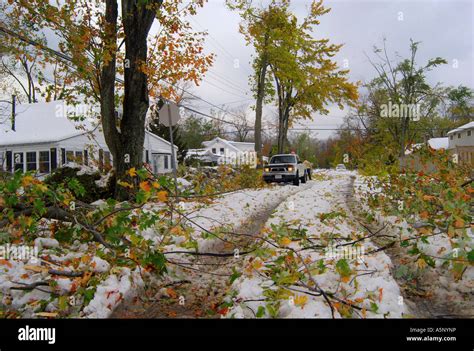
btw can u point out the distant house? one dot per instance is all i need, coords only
(434, 143)
(461, 142)
(222, 151)
(42, 138)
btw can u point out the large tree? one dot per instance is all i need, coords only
(401, 84)
(306, 78)
(121, 62)
(261, 27)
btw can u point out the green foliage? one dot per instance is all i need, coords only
(83, 186)
(436, 196)
(111, 230)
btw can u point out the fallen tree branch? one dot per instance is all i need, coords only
(65, 273)
(29, 286)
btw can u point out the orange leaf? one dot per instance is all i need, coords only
(459, 223)
(5, 262)
(223, 311)
(162, 196)
(424, 214)
(171, 293)
(145, 186)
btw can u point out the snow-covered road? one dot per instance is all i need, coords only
(256, 284)
(321, 212)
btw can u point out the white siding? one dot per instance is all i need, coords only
(92, 142)
(461, 138)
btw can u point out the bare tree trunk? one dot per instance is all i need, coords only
(258, 113)
(107, 82)
(259, 103)
(284, 116)
(126, 144)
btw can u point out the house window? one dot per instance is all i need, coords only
(166, 162)
(214, 150)
(451, 137)
(468, 133)
(18, 159)
(2, 159)
(222, 151)
(86, 157)
(459, 135)
(31, 161)
(44, 161)
(79, 158)
(69, 156)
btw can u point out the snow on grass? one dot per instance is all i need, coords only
(33, 266)
(438, 246)
(374, 289)
(119, 286)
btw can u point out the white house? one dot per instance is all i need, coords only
(223, 151)
(461, 142)
(43, 137)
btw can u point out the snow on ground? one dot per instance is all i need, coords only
(438, 246)
(116, 284)
(375, 290)
(228, 211)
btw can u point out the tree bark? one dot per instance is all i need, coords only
(259, 104)
(125, 137)
(258, 113)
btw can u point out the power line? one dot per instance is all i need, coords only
(227, 82)
(119, 80)
(69, 59)
(219, 46)
(222, 89)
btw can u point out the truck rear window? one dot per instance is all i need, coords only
(283, 159)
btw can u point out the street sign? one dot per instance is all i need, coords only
(169, 114)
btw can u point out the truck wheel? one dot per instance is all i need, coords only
(303, 178)
(296, 181)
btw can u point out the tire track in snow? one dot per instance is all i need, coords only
(202, 286)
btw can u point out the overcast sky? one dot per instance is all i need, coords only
(445, 29)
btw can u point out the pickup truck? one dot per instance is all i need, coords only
(285, 168)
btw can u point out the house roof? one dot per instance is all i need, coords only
(232, 144)
(466, 126)
(45, 122)
(217, 139)
(49, 122)
(438, 143)
(202, 154)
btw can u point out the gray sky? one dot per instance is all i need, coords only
(445, 29)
